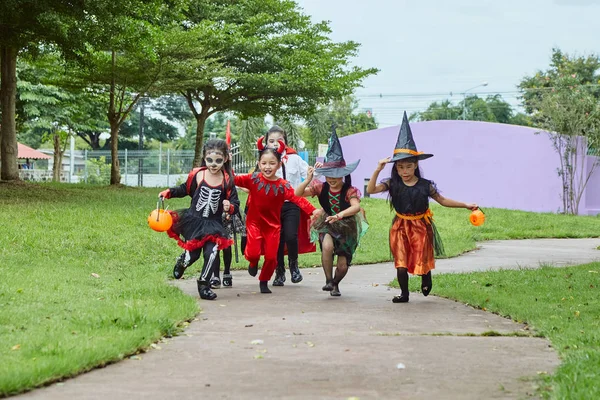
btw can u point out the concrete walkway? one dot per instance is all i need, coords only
(301, 343)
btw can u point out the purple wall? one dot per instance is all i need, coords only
(494, 165)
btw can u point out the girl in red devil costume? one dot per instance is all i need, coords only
(263, 226)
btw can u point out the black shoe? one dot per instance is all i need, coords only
(180, 266)
(253, 270)
(227, 280)
(295, 272)
(328, 286)
(400, 299)
(264, 287)
(279, 276)
(426, 284)
(336, 291)
(215, 283)
(205, 292)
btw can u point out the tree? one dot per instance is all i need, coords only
(268, 59)
(585, 68)
(491, 109)
(24, 24)
(570, 113)
(344, 115)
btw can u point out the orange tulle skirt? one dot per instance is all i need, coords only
(411, 244)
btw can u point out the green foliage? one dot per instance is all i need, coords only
(97, 171)
(491, 109)
(585, 68)
(570, 111)
(344, 115)
(272, 60)
(91, 284)
(561, 304)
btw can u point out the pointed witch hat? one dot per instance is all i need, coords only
(405, 145)
(334, 165)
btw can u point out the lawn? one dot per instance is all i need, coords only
(561, 304)
(84, 280)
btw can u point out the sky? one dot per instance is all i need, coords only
(427, 49)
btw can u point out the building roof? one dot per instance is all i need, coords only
(28, 152)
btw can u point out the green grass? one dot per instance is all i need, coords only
(84, 280)
(57, 318)
(561, 304)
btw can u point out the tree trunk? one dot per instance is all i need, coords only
(200, 123)
(9, 169)
(58, 157)
(115, 171)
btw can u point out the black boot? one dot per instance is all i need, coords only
(426, 283)
(295, 271)
(328, 285)
(264, 287)
(402, 274)
(204, 291)
(279, 276)
(253, 270)
(227, 280)
(180, 266)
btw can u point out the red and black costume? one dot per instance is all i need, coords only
(263, 225)
(200, 228)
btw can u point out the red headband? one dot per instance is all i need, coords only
(260, 145)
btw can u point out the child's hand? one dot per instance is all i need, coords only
(381, 163)
(165, 194)
(318, 165)
(226, 205)
(317, 213)
(472, 206)
(310, 173)
(333, 218)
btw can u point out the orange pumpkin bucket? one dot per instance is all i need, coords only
(160, 219)
(477, 217)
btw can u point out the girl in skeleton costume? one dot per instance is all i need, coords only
(413, 236)
(342, 225)
(263, 227)
(200, 228)
(294, 228)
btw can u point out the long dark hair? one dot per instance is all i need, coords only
(276, 129)
(219, 145)
(396, 185)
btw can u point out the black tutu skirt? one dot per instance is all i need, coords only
(192, 231)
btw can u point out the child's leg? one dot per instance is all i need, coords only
(211, 262)
(290, 220)
(186, 259)
(253, 248)
(270, 262)
(227, 257)
(426, 283)
(340, 272)
(327, 261)
(280, 270)
(402, 274)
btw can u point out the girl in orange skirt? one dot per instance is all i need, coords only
(413, 237)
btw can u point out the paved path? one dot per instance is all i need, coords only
(300, 343)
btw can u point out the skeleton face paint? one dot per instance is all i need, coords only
(214, 160)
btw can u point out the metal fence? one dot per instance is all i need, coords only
(150, 168)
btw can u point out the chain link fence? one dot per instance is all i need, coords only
(152, 168)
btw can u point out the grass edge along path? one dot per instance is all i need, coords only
(91, 278)
(561, 304)
(83, 282)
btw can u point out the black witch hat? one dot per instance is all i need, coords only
(334, 165)
(405, 146)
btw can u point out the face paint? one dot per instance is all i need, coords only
(214, 160)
